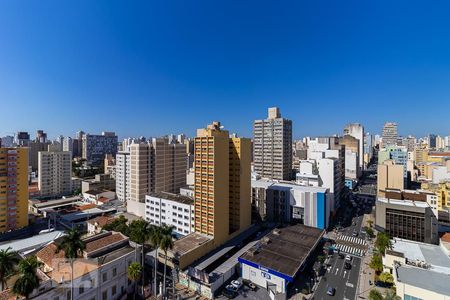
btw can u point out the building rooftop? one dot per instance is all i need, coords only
(94, 192)
(101, 221)
(410, 203)
(49, 203)
(32, 243)
(285, 250)
(190, 242)
(265, 183)
(432, 255)
(425, 279)
(446, 237)
(173, 197)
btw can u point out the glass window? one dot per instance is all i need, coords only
(105, 276)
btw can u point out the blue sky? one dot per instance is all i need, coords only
(156, 67)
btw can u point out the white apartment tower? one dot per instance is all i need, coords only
(357, 131)
(272, 146)
(55, 173)
(390, 134)
(123, 176)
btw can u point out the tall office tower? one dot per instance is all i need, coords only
(14, 188)
(272, 146)
(156, 166)
(68, 145)
(123, 176)
(95, 147)
(357, 131)
(41, 136)
(390, 134)
(432, 141)
(222, 198)
(78, 141)
(22, 138)
(55, 173)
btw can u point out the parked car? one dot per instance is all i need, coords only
(347, 265)
(331, 291)
(341, 255)
(231, 288)
(348, 257)
(237, 284)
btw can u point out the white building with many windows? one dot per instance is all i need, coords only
(123, 176)
(170, 209)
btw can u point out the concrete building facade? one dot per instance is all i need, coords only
(95, 147)
(55, 173)
(272, 146)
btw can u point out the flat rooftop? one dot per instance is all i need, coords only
(265, 183)
(428, 253)
(425, 279)
(173, 197)
(190, 242)
(50, 203)
(409, 203)
(285, 250)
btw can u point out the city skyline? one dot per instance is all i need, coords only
(151, 69)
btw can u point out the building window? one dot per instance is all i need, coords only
(113, 290)
(81, 289)
(408, 297)
(114, 272)
(105, 295)
(105, 276)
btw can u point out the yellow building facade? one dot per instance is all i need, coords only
(13, 188)
(442, 190)
(222, 183)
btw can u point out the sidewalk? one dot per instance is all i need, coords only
(366, 273)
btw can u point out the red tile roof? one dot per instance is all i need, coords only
(48, 253)
(446, 237)
(101, 221)
(103, 242)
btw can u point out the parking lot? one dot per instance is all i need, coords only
(246, 293)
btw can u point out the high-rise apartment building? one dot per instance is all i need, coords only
(357, 131)
(390, 134)
(272, 146)
(156, 166)
(13, 188)
(95, 147)
(222, 183)
(123, 176)
(55, 173)
(22, 138)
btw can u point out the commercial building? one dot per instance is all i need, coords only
(272, 146)
(389, 175)
(420, 271)
(398, 154)
(170, 209)
(353, 167)
(277, 260)
(390, 134)
(285, 202)
(407, 219)
(123, 176)
(156, 166)
(55, 173)
(13, 188)
(95, 147)
(99, 182)
(357, 131)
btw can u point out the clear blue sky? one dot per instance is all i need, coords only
(156, 67)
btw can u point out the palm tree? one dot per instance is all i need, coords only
(166, 244)
(139, 233)
(390, 295)
(134, 273)
(28, 279)
(155, 239)
(72, 245)
(8, 260)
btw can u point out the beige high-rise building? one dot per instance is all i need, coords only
(272, 146)
(390, 134)
(14, 188)
(55, 173)
(156, 166)
(222, 183)
(390, 176)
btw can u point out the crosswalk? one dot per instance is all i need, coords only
(351, 239)
(350, 250)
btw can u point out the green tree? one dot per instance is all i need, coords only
(118, 224)
(386, 278)
(375, 295)
(8, 260)
(321, 259)
(370, 232)
(155, 240)
(72, 245)
(134, 272)
(370, 222)
(140, 232)
(166, 244)
(376, 263)
(383, 242)
(28, 279)
(390, 295)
